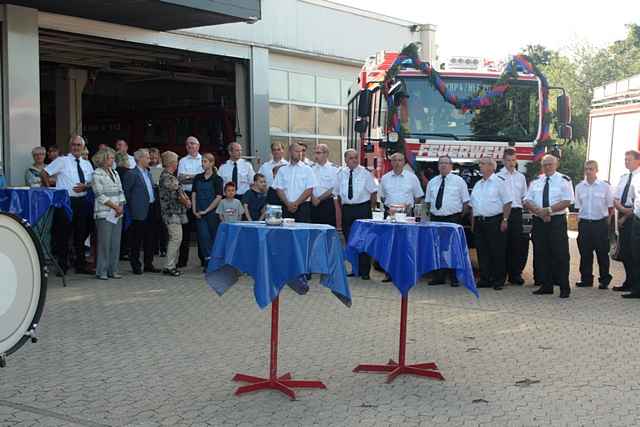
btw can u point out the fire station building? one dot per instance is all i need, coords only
(155, 71)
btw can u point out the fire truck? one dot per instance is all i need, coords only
(432, 126)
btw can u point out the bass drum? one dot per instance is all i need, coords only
(23, 284)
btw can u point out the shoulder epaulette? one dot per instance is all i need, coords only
(565, 177)
(501, 177)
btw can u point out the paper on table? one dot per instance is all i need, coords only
(111, 217)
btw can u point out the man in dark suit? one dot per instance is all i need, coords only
(138, 189)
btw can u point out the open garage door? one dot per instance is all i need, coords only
(147, 95)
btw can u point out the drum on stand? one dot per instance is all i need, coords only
(23, 284)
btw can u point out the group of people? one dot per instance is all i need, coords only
(164, 197)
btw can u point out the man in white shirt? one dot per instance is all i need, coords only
(74, 174)
(594, 200)
(548, 198)
(400, 186)
(517, 244)
(623, 201)
(304, 158)
(237, 170)
(277, 159)
(294, 184)
(188, 167)
(357, 192)
(323, 209)
(448, 200)
(123, 147)
(491, 208)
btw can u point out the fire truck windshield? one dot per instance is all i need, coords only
(513, 117)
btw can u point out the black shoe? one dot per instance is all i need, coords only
(163, 254)
(137, 271)
(564, 294)
(365, 277)
(436, 282)
(483, 284)
(174, 272)
(603, 286)
(151, 269)
(455, 284)
(181, 265)
(632, 295)
(124, 257)
(543, 291)
(498, 287)
(622, 288)
(605, 282)
(584, 285)
(386, 279)
(516, 280)
(351, 275)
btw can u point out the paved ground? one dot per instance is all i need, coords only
(158, 351)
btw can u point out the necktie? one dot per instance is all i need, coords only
(440, 194)
(350, 191)
(80, 172)
(234, 174)
(545, 193)
(625, 193)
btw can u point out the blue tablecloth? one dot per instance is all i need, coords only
(277, 256)
(408, 251)
(32, 203)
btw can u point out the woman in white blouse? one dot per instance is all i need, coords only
(108, 210)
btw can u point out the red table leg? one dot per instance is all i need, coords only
(283, 383)
(395, 369)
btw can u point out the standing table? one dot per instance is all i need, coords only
(36, 206)
(406, 251)
(276, 256)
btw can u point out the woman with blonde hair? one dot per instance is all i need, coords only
(173, 206)
(33, 175)
(108, 211)
(205, 196)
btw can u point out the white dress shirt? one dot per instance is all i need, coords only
(560, 190)
(326, 178)
(489, 196)
(620, 189)
(190, 165)
(267, 169)
(455, 195)
(363, 185)
(593, 200)
(401, 188)
(294, 179)
(516, 184)
(65, 169)
(245, 174)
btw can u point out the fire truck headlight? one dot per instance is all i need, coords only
(393, 137)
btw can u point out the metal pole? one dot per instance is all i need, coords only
(403, 330)
(273, 362)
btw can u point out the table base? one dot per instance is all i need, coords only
(429, 369)
(283, 383)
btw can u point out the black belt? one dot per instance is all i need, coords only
(487, 218)
(593, 220)
(356, 204)
(516, 209)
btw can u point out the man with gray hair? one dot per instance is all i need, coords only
(548, 198)
(141, 199)
(594, 200)
(74, 174)
(490, 207)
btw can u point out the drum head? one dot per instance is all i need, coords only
(23, 282)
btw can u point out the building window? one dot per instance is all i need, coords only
(344, 92)
(278, 117)
(302, 87)
(278, 85)
(303, 119)
(328, 91)
(329, 121)
(335, 150)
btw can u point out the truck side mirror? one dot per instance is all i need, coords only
(563, 108)
(565, 132)
(364, 104)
